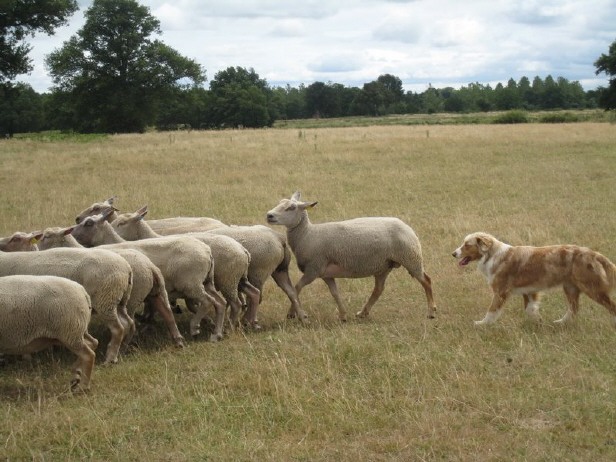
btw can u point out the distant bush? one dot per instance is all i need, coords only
(511, 117)
(559, 118)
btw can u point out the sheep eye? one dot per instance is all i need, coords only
(291, 207)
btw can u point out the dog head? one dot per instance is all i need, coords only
(475, 247)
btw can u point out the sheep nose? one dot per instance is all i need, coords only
(453, 254)
(77, 220)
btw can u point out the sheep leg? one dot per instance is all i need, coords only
(82, 369)
(379, 285)
(164, 309)
(220, 308)
(234, 315)
(333, 289)
(128, 324)
(283, 281)
(254, 299)
(426, 283)
(117, 334)
(91, 341)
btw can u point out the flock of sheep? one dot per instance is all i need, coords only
(118, 266)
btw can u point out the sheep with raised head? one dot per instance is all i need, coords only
(148, 282)
(106, 277)
(97, 208)
(37, 312)
(204, 223)
(185, 263)
(357, 248)
(230, 257)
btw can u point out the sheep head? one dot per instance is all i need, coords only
(289, 212)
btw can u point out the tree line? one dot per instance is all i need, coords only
(114, 76)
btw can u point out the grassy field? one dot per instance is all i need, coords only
(395, 387)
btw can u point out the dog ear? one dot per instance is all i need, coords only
(483, 243)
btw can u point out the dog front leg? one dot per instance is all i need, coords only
(494, 311)
(531, 304)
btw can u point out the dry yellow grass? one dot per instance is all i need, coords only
(395, 387)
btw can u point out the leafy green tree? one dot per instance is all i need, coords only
(525, 92)
(393, 89)
(507, 98)
(606, 63)
(322, 100)
(20, 19)
(370, 100)
(432, 100)
(290, 102)
(239, 97)
(21, 109)
(185, 109)
(113, 75)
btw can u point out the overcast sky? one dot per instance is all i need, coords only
(352, 42)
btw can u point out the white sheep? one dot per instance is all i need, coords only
(107, 278)
(269, 253)
(362, 247)
(18, 242)
(148, 282)
(185, 263)
(204, 223)
(230, 257)
(37, 312)
(269, 256)
(96, 209)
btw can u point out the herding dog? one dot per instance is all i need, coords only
(529, 270)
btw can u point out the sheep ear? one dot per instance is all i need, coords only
(68, 230)
(35, 236)
(142, 211)
(296, 196)
(307, 205)
(106, 213)
(110, 200)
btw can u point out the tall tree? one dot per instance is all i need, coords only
(20, 19)
(113, 74)
(239, 97)
(607, 64)
(21, 109)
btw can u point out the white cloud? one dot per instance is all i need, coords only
(354, 41)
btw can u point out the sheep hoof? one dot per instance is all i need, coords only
(215, 337)
(110, 362)
(179, 342)
(76, 386)
(361, 315)
(195, 333)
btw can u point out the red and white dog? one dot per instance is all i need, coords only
(529, 270)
